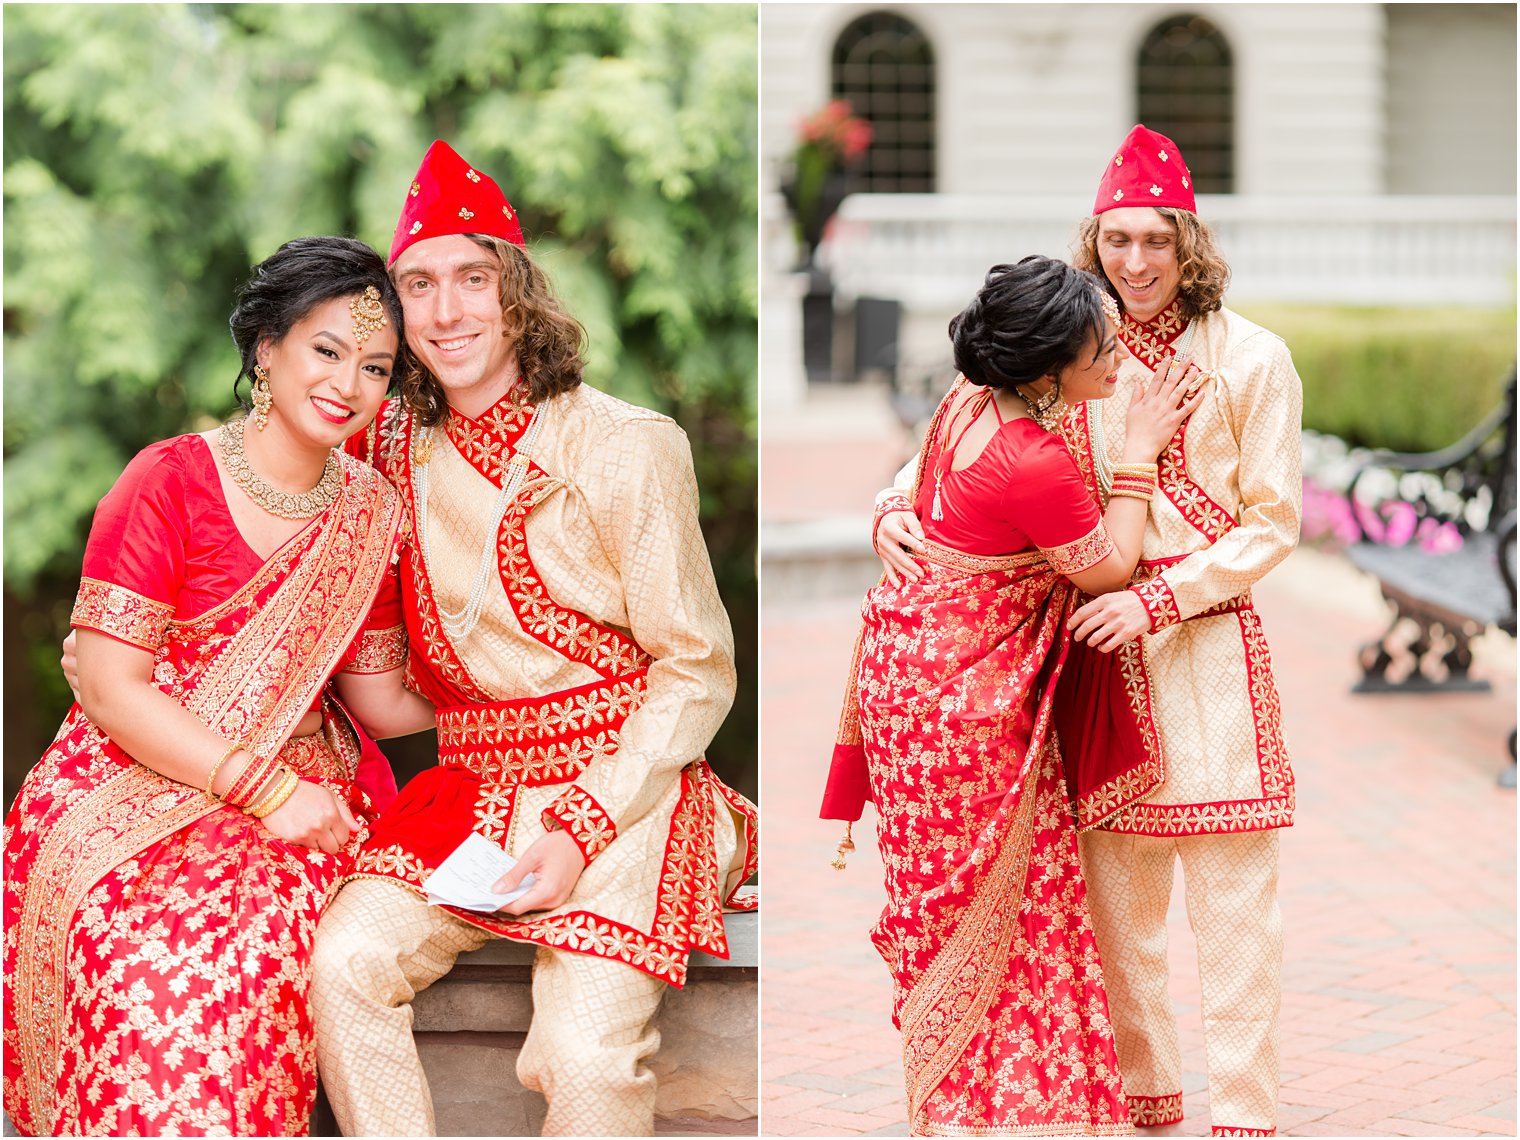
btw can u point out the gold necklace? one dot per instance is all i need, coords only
(306, 505)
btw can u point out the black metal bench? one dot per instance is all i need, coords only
(1441, 598)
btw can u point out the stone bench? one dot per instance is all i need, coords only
(471, 1024)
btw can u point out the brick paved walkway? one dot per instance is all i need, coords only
(1398, 883)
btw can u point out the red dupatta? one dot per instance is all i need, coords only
(249, 668)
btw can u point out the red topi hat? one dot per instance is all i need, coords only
(1147, 170)
(449, 196)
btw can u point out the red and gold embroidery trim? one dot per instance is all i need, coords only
(568, 632)
(489, 441)
(577, 812)
(897, 502)
(255, 689)
(539, 740)
(1220, 1130)
(959, 560)
(1159, 602)
(493, 811)
(1150, 341)
(1087, 551)
(1154, 1111)
(944, 1009)
(682, 922)
(1100, 804)
(748, 814)
(380, 651)
(122, 613)
(1275, 808)
(1205, 516)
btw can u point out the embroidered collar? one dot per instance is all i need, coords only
(1151, 340)
(488, 441)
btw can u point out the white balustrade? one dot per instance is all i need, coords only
(930, 251)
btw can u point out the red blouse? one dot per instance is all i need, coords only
(1022, 491)
(164, 531)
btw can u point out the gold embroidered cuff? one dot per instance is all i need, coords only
(897, 502)
(1085, 552)
(579, 814)
(380, 651)
(121, 613)
(1159, 602)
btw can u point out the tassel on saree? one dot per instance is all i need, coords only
(846, 845)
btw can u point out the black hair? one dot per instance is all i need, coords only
(1028, 320)
(292, 281)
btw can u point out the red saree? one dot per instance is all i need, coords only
(157, 943)
(998, 990)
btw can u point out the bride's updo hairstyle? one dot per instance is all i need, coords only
(1029, 320)
(286, 286)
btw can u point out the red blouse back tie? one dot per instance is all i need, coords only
(977, 404)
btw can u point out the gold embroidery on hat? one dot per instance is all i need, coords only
(416, 189)
(1156, 190)
(369, 314)
(472, 176)
(1184, 183)
(1118, 160)
(416, 226)
(1118, 194)
(466, 214)
(1162, 155)
(507, 210)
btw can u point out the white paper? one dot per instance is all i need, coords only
(465, 878)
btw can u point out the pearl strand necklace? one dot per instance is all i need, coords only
(459, 624)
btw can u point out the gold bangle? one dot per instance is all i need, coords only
(276, 798)
(1142, 469)
(253, 776)
(215, 768)
(1121, 493)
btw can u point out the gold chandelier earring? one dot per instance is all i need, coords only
(263, 397)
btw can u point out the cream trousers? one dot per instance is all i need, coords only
(379, 944)
(1231, 890)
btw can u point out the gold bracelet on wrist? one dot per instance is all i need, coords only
(276, 799)
(217, 767)
(1141, 469)
(1125, 493)
(254, 776)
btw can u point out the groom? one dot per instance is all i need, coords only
(562, 615)
(1192, 651)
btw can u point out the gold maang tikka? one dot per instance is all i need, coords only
(369, 314)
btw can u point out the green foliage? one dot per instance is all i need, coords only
(152, 153)
(1407, 379)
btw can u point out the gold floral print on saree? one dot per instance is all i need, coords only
(249, 668)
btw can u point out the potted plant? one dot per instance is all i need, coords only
(829, 142)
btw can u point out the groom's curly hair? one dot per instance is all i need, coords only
(1205, 274)
(550, 342)
(1028, 321)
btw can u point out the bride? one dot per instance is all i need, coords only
(168, 858)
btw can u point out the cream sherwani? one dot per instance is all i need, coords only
(599, 668)
(1201, 689)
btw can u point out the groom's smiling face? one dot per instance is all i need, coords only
(451, 292)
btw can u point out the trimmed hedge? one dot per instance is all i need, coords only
(1407, 379)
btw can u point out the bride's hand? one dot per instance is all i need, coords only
(313, 817)
(1159, 409)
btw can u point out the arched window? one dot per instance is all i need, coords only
(1186, 81)
(884, 67)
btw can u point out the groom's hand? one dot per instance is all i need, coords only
(70, 665)
(1107, 622)
(556, 864)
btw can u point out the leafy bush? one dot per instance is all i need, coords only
(154, 152)
(1407, 379)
